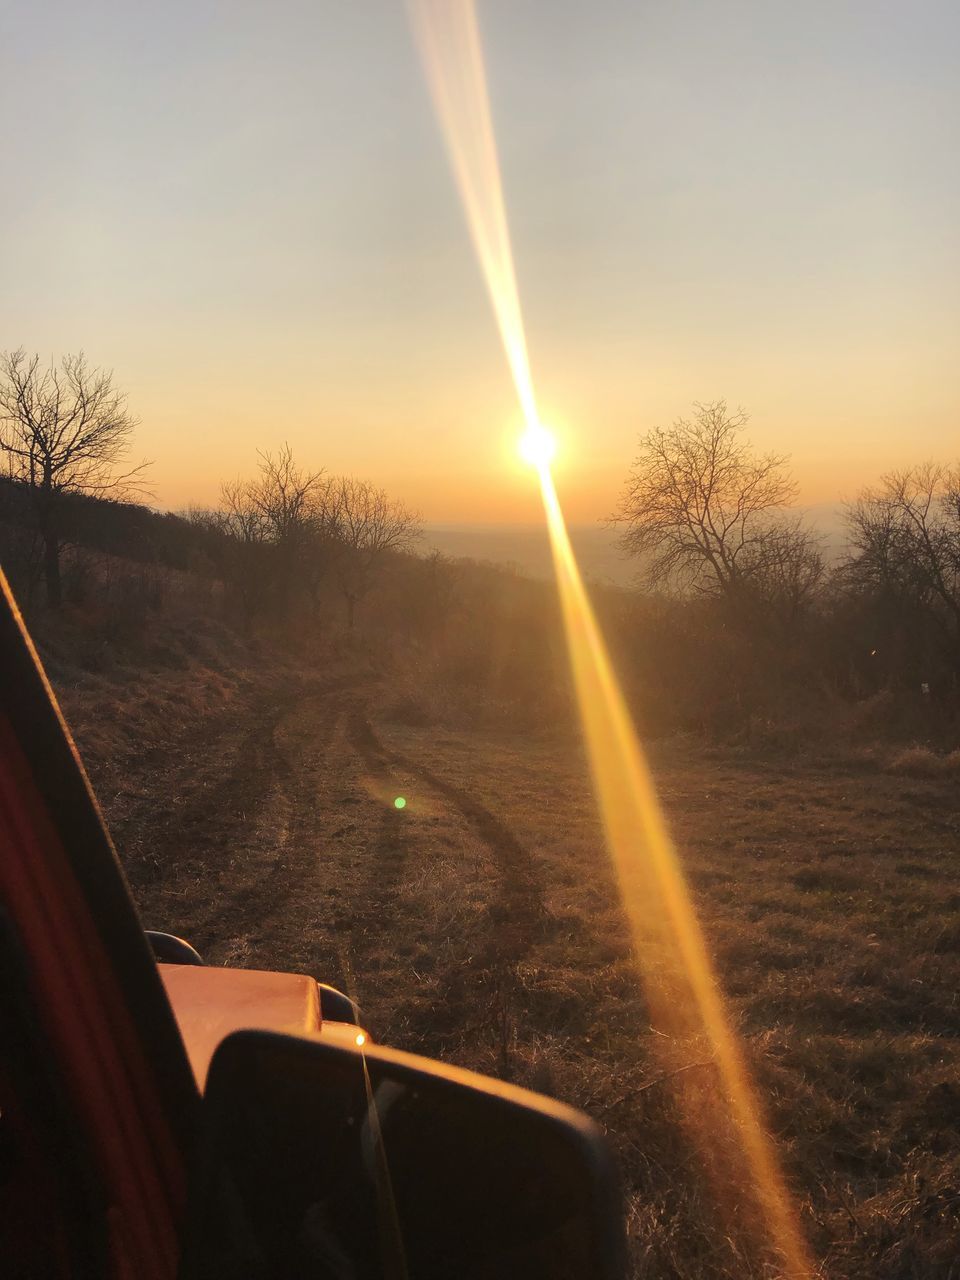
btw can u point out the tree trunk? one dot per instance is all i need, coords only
(351, 608)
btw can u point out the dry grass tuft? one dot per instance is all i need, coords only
(921, 762)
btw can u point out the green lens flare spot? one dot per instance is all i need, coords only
(400, 803)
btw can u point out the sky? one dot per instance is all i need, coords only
(246, 211)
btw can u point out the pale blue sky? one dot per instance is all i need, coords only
(245, 210)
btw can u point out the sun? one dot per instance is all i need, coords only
(537, 446)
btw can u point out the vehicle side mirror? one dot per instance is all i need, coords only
(319, 1160)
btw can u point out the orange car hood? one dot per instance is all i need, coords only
(209, 1003)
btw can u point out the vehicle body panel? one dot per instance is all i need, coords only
(210, 1003)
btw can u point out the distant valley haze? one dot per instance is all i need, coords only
(526, 546)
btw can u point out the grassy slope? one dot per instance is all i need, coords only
(830, 897)
(253, 807)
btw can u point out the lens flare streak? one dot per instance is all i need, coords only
(681, 989)
(653, 887)
(452, 55)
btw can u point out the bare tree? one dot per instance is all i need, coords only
(289, 501)
(288, 529)
(281, 525)
(905, 536)
(64, 429)
(370, 528)
(239, 515)
(701, 507)
(242, 549)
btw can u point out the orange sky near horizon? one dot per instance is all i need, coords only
(249, 216)
(456, 461)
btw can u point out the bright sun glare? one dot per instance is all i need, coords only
(681, 986)
(537, 446)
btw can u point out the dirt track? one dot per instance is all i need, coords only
(282, 848)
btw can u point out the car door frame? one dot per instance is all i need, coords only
(93, 986)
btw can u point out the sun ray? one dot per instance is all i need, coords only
(449, 41)
(682, 991)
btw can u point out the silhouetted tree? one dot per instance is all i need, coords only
(64, 429)
(370, 527)
(784, 569)
(283, 526)
(905, 536)
(701, 507)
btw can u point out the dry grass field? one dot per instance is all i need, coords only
(480, 924)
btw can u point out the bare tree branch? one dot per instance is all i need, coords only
(64, 429)
(702, 509)
(905, 536)
(370, 528)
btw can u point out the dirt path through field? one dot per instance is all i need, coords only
(282, 848)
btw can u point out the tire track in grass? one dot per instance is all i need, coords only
(520, 889)
(235, 865)
(284, 851)
(392, 848)
(204, 868)
(480, 987)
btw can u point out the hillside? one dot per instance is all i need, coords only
(251, 798)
